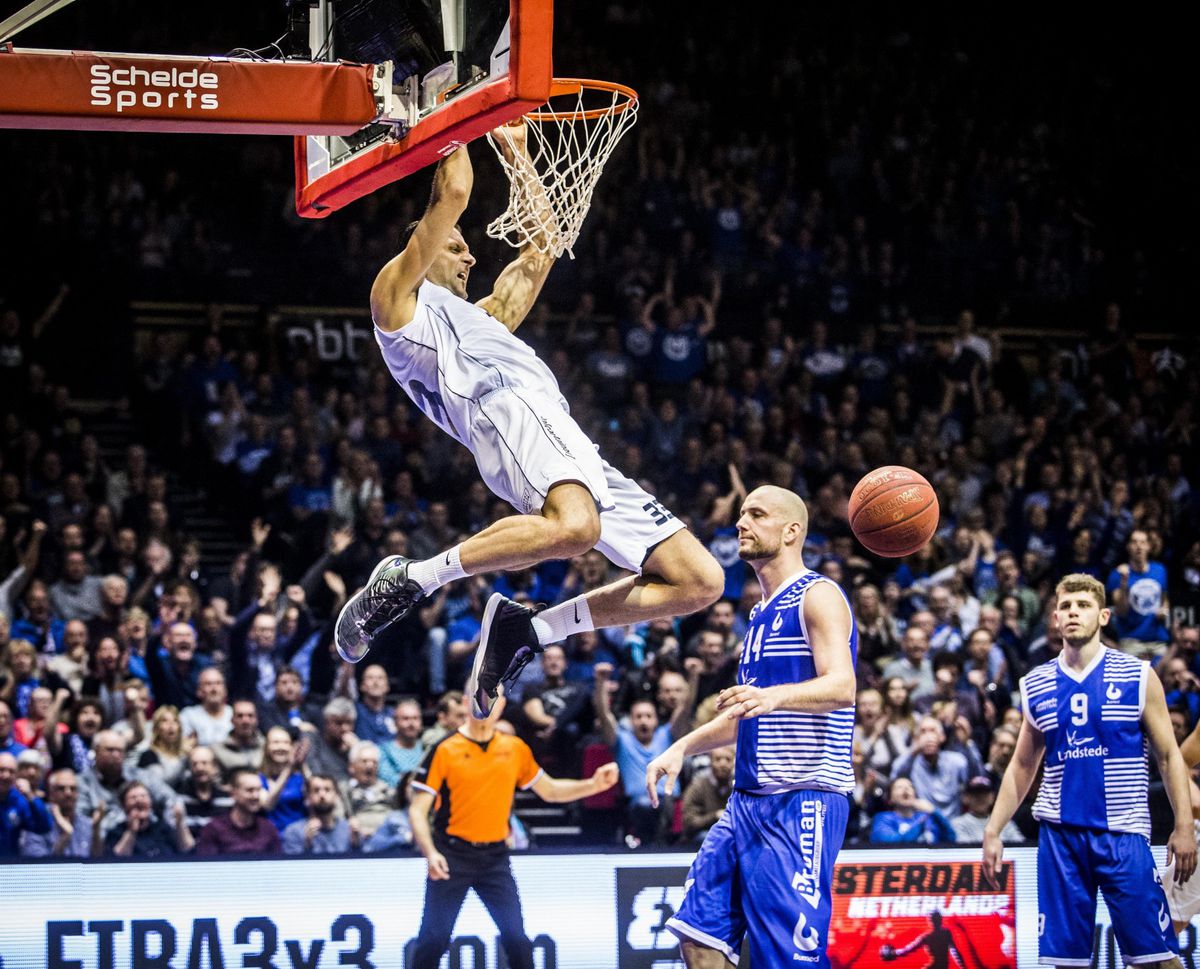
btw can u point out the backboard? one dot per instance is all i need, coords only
(451, 70)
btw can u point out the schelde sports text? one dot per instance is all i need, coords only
(187, 89)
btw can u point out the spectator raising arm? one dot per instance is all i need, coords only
(602, 703)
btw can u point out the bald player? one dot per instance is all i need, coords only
(766, 867)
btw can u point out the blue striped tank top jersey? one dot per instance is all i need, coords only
(1096, 768)
(783, 750)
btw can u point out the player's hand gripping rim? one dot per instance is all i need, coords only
(1181, 848)
(668, 764)
(745, 702)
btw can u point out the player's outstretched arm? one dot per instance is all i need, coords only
(394, 294)
(1156, 721)
(827, 622)
(557, 790)
(520, 282)
(1022, 769)
(718, 732)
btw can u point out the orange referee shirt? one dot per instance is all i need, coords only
(474, 783)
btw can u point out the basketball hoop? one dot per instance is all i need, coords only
(568, 142)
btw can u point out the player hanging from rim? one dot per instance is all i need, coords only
(1090, 712)
(765, 869)
(463, 366)
(938, 941)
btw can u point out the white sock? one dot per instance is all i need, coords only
(434, 573)
(555, 625)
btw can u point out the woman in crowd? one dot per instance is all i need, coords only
(897, 721)
(282, 776)
(72, 749)
(165, 753)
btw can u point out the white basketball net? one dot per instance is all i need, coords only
(550, 187)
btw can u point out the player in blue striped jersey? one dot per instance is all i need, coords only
(1091, 714)
(766, 868)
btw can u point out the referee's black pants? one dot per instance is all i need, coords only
(486, 869)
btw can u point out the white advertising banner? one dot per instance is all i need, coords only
(583, 911)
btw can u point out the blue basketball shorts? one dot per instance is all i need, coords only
(1072, 864)
(766, 868)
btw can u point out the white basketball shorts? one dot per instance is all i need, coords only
(1183, 900)
(525, 443)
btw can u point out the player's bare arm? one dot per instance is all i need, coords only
(1190, 748)
(394, 293)
(718, 732)
(1181, 845)
(519, 284)
(827, 621)
(1018, 779)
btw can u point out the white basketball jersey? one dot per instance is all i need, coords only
(453, 354)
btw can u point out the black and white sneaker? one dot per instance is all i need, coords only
(386, 598)
(506, 644)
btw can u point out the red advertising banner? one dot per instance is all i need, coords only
(91, 91)
(910, 915)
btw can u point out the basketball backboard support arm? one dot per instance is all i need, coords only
(29, 15)
(359, 125)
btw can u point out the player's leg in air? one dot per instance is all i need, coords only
(677, 576)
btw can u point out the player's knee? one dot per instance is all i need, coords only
(714, 580)
(707, 582)
(577, 532)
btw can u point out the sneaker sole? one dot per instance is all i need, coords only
(375, 573)
(480, 708)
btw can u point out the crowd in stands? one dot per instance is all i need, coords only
(745, 308)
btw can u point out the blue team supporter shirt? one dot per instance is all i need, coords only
(633, 759)
(374, 725)
(1146, 591)
(17, 814)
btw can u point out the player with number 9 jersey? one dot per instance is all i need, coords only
(1092, 713)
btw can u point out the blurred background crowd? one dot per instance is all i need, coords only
(896, 253)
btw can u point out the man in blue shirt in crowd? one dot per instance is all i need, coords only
(19, 809)
(634, 747)
(322, 832)
(70, 833)
(1139, 600)
(374, 721)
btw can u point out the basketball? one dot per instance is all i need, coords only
(893, 511)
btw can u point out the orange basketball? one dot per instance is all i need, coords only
(893, 511)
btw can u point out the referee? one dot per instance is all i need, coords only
(470, 778)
